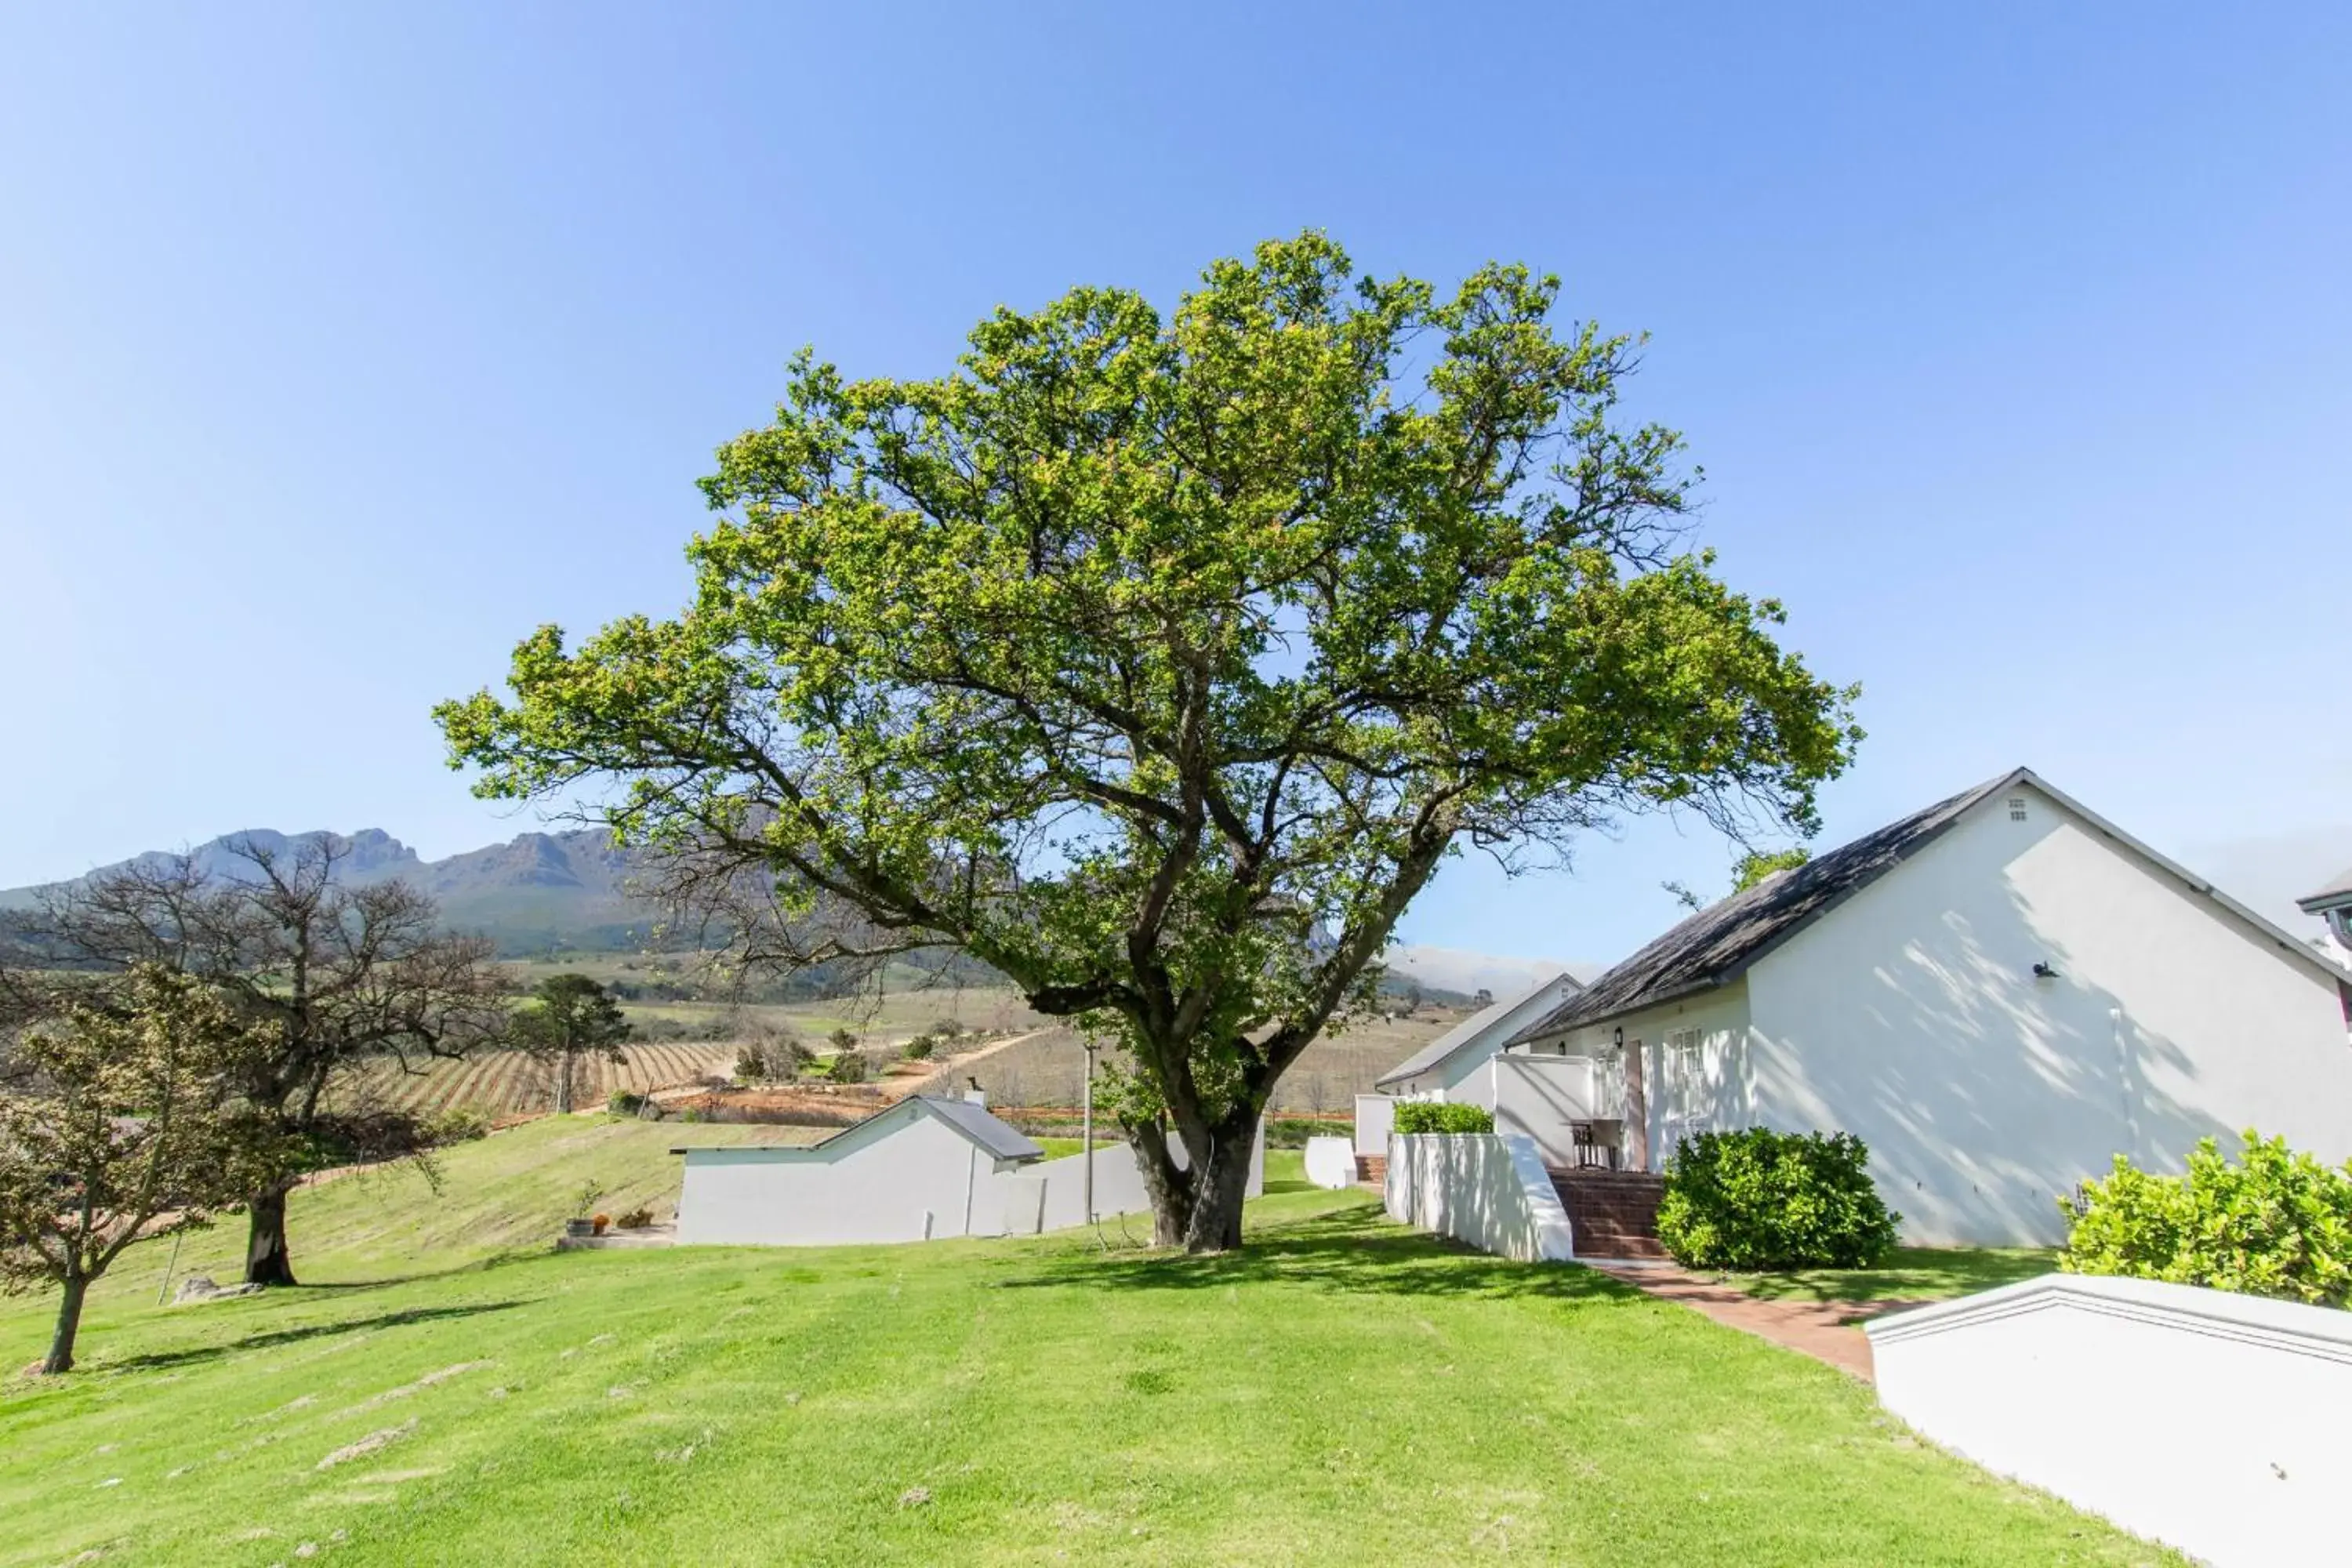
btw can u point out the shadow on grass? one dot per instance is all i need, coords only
(1354, 1251)
(1909, 1273)
(162, 1359)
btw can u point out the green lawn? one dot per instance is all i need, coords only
(1909, 1273)
(1344, 1390)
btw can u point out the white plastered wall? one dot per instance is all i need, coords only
(1911, 1015)
(912, 1180)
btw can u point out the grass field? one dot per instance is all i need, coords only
(1909, 1273)
(1345, 1390)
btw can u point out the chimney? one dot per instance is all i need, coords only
(975, 1095)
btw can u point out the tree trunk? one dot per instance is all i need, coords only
(267, 1261)
(1169, 1188)
(564, 1087)
(1221, 1184)
(61, 1343)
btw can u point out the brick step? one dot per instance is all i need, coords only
(1372, 1168)
(1612, 1213)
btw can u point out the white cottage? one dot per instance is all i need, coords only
(921, 1170)
(1999, 994)
(1465, 1064)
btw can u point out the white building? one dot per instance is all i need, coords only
(923, 1169)
(1466, 1065)
(1999, 994)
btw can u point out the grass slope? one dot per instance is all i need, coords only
(1345, 1390)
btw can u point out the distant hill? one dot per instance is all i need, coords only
(538, 892)
(534, 893)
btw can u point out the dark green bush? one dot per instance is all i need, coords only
(2277, 1223)
(919, 1048)
(1292, 1131)
(848, 1066)
(459, 1124)
(1439, 1116)
(1760, 1199)
(621, 1102)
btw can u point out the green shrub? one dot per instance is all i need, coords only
(2277, 1223)
(459, 1124)
(1439, 1116)
(848, 1066)
(920, 1047)
(1760, 1199)
(1292, 1131)
(635, 1219)
(621, 1102)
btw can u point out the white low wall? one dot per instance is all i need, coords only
(1490, 1190)
(2212, 1422)
(1118, 1186)
(1374, 1114)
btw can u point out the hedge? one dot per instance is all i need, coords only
(1439, 1116)
(1763, 1200)
(2277, 1223)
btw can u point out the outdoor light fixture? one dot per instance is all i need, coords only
(2044, 971)
(1620, 1041)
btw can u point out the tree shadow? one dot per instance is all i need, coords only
(159, 1360)
(1355, 1251)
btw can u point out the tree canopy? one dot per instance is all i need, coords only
(570, 1016)
(125, 1121)
(1160, 660)
(348, 981)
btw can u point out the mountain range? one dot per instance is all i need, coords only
(538, 892)
(534, 893)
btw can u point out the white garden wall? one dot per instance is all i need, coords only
(1489, 1190)
(2209, 1421)
(1118, 1187)
(917, 1181)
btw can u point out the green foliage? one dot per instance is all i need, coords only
(920, 1049)
(1756, 865)
(583, 1202)
(131, 1119)
(1439, 1116)
(769, 1057)
(848, 1066)
(1292, 1131)
(457, 1124)
(841, 1041)
(1760, 1199)
(2277, 1223)
(621, 1102)
(634, 1219)
(1159, 660)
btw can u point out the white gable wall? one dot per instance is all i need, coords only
(1910, 1014)
(887, 1188)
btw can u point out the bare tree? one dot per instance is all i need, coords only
(348, 979)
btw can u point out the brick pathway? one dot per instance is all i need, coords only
(1826, 1331)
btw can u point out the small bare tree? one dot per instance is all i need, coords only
(347, 980)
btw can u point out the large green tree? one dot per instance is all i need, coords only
(1160, 660)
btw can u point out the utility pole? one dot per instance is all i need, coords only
(1086, 1133)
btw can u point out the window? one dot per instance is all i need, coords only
(2016, 808)
(1685, 1040)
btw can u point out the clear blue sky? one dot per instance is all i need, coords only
(339, 346)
